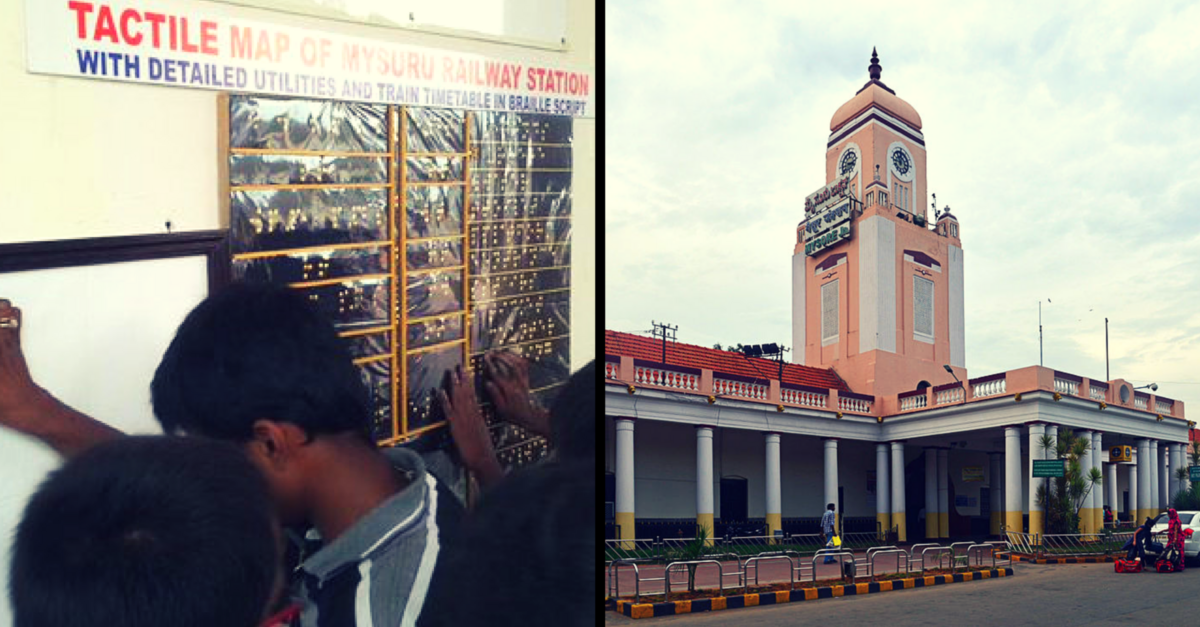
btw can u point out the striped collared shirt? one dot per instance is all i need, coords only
(377, 573)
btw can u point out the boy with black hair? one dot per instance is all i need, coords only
(258, 365)
(148, 531)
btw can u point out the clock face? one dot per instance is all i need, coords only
(849, 160)
(901, 162)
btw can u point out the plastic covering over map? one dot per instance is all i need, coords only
(429, 236)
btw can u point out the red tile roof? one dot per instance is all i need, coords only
(729, 362)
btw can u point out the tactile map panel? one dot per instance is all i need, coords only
(429, 236)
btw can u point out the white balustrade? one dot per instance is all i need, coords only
(854, 404)
(916, 401)
(667, 379)
(1097, 393)
(801, 397)
(952, 395)
(1163, 407)
(611, 370)
(989, 388)
(1140, 401)
(1066, 386)
(725, 387)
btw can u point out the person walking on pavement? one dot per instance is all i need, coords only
(828, 522)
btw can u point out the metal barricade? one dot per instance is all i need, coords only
(1082, 543)
(840, 555)
(1025, 543)
(978, 549)
(876, 549)
(912, 552)
(954, 553)
(667, 575)
(939, 551)
(614, 577)
(889, 551)
(628, 550)
(756, 560)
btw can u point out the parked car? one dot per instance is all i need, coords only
(1191, 546)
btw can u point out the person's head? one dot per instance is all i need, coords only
(259, 365)
(830, 507)
(573, 416)
(1172, 514)
(146, 531)
(1149, 521)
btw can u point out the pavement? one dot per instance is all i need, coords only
(1059, 595)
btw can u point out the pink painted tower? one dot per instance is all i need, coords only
(877, 289)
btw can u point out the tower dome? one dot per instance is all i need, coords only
(875, 94)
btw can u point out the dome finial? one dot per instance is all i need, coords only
(875, 69)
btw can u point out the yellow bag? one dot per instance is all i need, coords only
(837, 541)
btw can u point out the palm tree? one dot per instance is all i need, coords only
(1062, 503)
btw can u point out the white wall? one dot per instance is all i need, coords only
(88, 158)
(664, 468)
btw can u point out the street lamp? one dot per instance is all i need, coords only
(948, 369)
(1153, 387)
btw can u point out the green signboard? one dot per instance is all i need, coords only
(1193, 473)
(1048, 468)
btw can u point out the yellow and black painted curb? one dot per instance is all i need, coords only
(670, 608)
(1098, 559)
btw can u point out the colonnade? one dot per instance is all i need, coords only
(1152, 481)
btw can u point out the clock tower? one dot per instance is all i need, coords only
(877, 287)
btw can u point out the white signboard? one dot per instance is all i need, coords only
(830, 193)
(183, 43)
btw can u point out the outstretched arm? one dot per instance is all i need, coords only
(468, 429)
(31, 410)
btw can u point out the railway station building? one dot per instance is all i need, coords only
(880, 414)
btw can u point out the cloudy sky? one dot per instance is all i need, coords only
(1065, 136)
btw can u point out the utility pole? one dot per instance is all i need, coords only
(663, 330)
(1040, 360)
(1106, 377)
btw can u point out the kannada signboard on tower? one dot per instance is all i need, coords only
(827, 216)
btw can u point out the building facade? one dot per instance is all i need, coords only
(881, 416)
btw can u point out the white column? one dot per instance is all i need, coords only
(704, 478)
(624, 479)
(1012, 480)
(1086, 516)
(1133, 494)
(883, 488)
(1164, 478)
(996, 483)
(1144, 503)
(1155, 503)
(1172, 481)
(774, 510)
(831, 478)
(1036, 452)
(931, 493)
(1110, 481)
(1179, 463)
(943, 456)
(898, 518)
(1098, 464)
